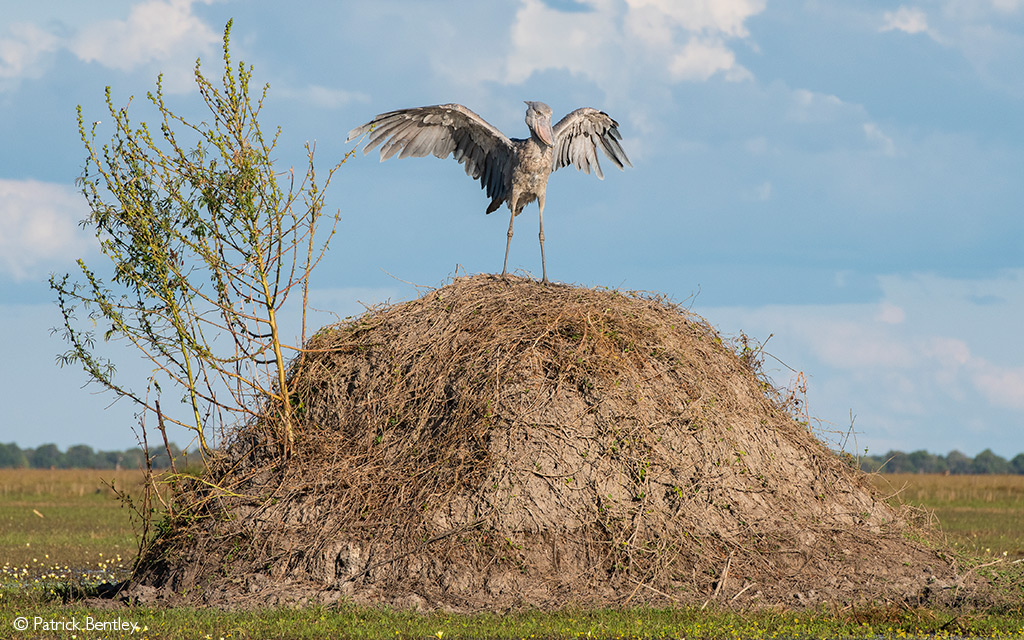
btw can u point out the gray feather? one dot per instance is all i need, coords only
(511, 171)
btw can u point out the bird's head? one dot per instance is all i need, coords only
(538, 118)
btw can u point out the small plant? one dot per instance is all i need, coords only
(207, 241)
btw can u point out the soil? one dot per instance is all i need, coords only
(499, 443)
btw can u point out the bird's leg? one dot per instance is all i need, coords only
(543, 268)
(508, 243)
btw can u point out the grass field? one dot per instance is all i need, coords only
(61, 528)
(65, 517)
(981, 516)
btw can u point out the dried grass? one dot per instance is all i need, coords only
(501, 443)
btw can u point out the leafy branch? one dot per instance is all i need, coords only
(207, 242)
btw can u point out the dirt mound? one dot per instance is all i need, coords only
(496, 444)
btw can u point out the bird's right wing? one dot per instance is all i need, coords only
(578, 135)
(441, 130)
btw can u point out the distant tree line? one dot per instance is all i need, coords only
(79, 456)
(955, 463)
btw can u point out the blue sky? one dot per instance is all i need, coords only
(842, 179)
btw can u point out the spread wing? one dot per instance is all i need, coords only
(579, 134)
(441, 130)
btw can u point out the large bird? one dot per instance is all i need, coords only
(512, 171)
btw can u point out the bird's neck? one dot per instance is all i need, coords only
(541, 146)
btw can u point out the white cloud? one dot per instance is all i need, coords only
(40, 223)
(974, 10)
(875, 136)
(977, 29)
(1007, 6)
(722, 16)
(906, 19)
(809, 106)
(947, 352)
(858, 343)
(700, 59)
(933, 355)
(22, 49)
(544, 38)
(756, 146)
(155, 31)
(761, 192)
(164, 31)
(1003, 386)
(680, 41)
(325, 97)
(889, 313)
(1000, 384)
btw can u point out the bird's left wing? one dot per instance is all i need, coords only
(579, 134)
(441, 130)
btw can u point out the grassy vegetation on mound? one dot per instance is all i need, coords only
(362, 622)
(78, 522)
